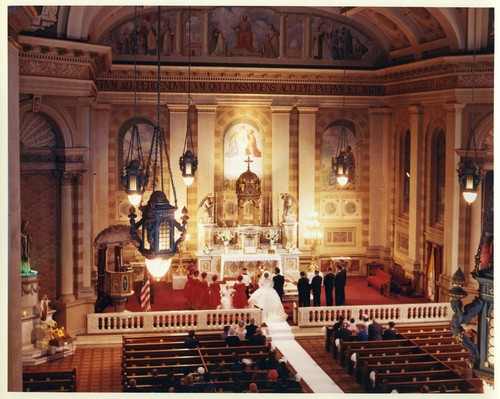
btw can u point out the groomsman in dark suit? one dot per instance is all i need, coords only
(328, 283)
(304, 289)
(339, 283)
(316, 288)
(279, 283)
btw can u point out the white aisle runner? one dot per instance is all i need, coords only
(313, 375)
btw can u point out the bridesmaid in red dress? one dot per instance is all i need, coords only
(195, 289)
(188, 287)
(214, 293)
(240, 300)
(203, 293)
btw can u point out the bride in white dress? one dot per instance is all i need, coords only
(266, 298)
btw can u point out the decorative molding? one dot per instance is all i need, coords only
(55, 69)
(340, 237)
(338, 205)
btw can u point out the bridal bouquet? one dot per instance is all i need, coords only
(225, 236)
(272, 235)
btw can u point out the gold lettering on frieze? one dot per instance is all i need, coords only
(242, 87)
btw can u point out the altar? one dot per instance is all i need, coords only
(229, 266)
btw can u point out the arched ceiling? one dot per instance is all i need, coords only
(403, 34)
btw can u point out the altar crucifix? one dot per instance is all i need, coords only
(248, 191)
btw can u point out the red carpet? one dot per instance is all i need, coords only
(357, 293)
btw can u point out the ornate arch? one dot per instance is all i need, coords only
(63, 122)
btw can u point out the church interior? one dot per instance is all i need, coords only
(153, 146)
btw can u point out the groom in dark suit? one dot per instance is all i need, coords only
(279, 282)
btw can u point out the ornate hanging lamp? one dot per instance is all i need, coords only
(188, 161)
(470, 174)
(341, 162)
(158, 241)
(135, 173)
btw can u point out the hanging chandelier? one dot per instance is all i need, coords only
(188, 162)
(470, 174)
(158, 241)
(135, 173)
(341, 162)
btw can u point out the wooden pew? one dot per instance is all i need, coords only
(455, 384)
(348, 347)
(362, 354)
(155, 337)
(413, 376)
(423, 328)
(50, 381)
(153, 346)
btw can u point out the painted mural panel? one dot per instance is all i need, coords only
(242, 142)
(250, 33)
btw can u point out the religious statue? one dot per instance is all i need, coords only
(44, 308)
(289, 211)
(26, 248)
(206, 209)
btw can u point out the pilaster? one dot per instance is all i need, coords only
(178, 125)
(206, 145)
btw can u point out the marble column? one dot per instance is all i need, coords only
(67, 264)
(11, 167)
(98, 172)
(416, 211)
(85, 287)
(380, 178)
(306, 51)
(178, 125)
(280, 156)
(452, 194)
(206, 143)
(307, 165)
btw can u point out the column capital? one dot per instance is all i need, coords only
(206, 108)
(281, 109)
(454, 107)
(67, 178)
(307, 110)
(380, 111)
(177, 108)
(101, 107)
(416, 109)
(86, 101)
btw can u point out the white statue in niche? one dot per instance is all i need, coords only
(205, 209)
(289, 208)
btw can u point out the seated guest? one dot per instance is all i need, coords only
(342, 333)
(225, 332)
(251, 328)
(270, 363)
(252, 388)
(258, 338)
(375, 331)
(352, 327)
(241, 331)
(390, 333)
(232, 339)
(191, 341)
(237, 365)
(283, 372)
(272, 379)
(362, 333)
(338, 324)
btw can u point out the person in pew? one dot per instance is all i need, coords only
(250, 328)
(442, 388)
(390, 332)
(374, 331)
(338, 324)
(191, 341)
(237, 365)
(353, 326)
(258, 338)
(252, 388)
(362, 333)
(241, 330)
(225, 332)
(283, 372)
(342, 333)
(424, 389)
(272, 379)
(269, 363)
(232, 339)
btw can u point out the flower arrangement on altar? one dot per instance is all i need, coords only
(57, 333)
(272, 235)
(207, 249)
(290, 247)
(225, 236)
